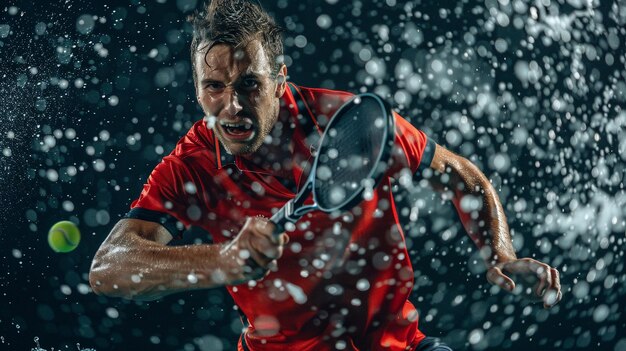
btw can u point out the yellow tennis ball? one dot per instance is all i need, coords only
(64, 236)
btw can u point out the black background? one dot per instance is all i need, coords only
(554, 148)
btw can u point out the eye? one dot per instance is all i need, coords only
(213, 86)
(250, 83)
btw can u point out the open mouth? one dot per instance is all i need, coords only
(242, 130)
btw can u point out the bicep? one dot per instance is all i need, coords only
(148, 230)
(126, 236)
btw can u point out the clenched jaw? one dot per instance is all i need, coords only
(238, 130)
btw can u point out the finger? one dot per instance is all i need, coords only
(259, 247)
(253, 269)
(279, 252)
(554, 293)
(281, 240)
(527, 266)
(545, 279)
(496, 277)
(268, 244)
(264, 226)
(258, 256)
(263, 247)
(556, 279)
(272, 266)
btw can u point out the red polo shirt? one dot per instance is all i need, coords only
(322, 297)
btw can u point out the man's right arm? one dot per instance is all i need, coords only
(134, 261)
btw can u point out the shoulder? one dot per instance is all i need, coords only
(322, 92)
(196, 148)
(324, 101)
(326, 97)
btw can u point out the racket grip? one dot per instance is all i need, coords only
(280, 219)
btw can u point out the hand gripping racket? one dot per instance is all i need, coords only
(352, 157)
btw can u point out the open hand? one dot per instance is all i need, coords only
(547, 284)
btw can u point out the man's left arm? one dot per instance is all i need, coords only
(483, 217)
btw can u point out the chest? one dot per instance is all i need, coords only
(370, 224)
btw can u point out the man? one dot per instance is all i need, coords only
(334, 282)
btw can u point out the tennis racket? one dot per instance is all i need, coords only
(352, 157)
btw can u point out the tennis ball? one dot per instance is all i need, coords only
(64, 236)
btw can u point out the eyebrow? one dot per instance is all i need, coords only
(244, 75)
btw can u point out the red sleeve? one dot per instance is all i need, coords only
(168, 197)
(414, 149)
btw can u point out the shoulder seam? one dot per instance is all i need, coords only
(342, 92)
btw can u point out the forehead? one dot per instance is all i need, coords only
(225, 61)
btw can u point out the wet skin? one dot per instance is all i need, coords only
(236, 85)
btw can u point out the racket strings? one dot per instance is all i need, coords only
(349, 153)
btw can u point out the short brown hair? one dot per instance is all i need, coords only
(235, 22)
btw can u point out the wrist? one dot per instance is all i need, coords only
(493, 257)
(228, 266)
(501, 259)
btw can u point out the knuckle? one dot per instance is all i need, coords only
(271, 254)
(493, 271)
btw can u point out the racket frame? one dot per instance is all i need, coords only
(295, 208)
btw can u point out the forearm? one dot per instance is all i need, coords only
(486, 225)
(477, 204)
(481, 213)
(130, 266)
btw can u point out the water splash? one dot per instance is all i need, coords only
(39, 348)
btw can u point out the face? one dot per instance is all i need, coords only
(238, 93)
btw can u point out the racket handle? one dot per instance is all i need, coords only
(293, 210)
(280, 219)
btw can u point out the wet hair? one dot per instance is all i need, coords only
(236, 23)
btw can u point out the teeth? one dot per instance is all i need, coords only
(246, 124)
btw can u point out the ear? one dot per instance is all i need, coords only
(281, 81)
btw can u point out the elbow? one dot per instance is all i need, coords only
(105, 276)
(115, 263)
(94, 279)
(108, 278)
(105, 282)
(102, 278)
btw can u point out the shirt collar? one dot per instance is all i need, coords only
(223, 158)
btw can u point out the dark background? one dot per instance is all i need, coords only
(93, 95)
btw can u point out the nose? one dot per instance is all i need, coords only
(232, 104)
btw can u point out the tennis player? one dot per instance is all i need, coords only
(335, 281)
